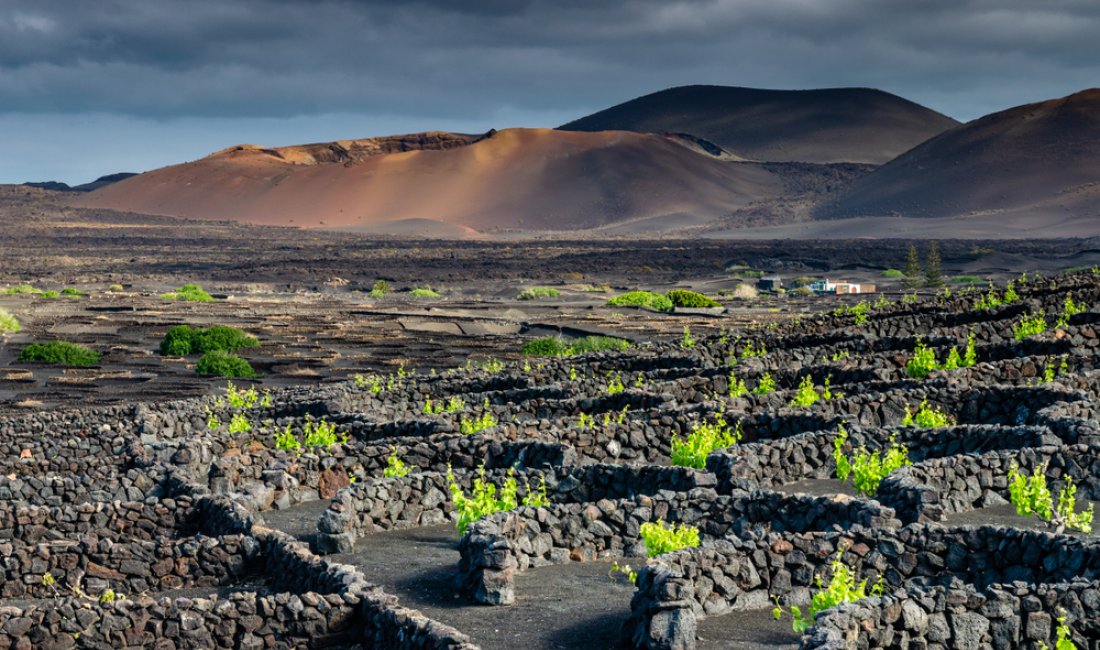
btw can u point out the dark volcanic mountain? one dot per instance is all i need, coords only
(1039, 159)
(821, 126)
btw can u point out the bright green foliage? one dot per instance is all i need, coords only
(8, 322)
(749, 351)
(553, 346)
(212, 420)
(239, 398)
(585, 421)
(1030, 325)
(842, 588)
(484, 500)
(806, 395)
(491, 365)
(535, 293)
(51, 294)
(660, 539)
(587, 344)
(373, 383)
(476, 425)
(922, 363)
(1069, 309)
(190, 293)
(1010, 293)
(287, 441)
(690, 299)
(20, 290)
(615, 384)
(843, 465)
(1064, 641)
(61, 352)
(1031, 496)
(624, 570)
(970, 357)
(704, 438)
(395, 467)
(953, 360)
(926, 417)
(182, 340)
(69, 291)
(737, 387)
(687, 341)
(644, 299)
(423, 292)
(321, 434)
(840, 354)
(239, 423)
(892, 274)
(765, 385)
(224, 364)
(869, 468)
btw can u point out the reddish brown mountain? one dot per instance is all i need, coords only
(1039, 159)
(532, 179)
(822, 126)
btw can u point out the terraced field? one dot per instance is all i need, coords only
(253, 520)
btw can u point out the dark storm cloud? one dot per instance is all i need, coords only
(409, 65)
(282, 58)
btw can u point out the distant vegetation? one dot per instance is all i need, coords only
(536, 293)
(20, 290)
(8, 322)
(554, 346)
(691, 299)
(893, 274)
(423, 292)
(224, 364)
(190, 293)
(182, 340)
(379, 289)
(60, 352)
(644, 299)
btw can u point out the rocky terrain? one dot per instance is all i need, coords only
(172, 524)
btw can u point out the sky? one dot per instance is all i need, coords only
(91, 88)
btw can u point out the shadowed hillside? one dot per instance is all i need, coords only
(823, 126)
(1040, 160)
(531, 179)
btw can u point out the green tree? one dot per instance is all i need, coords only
(933, 276)
(912, 268)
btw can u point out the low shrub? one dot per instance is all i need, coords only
(535, 293)
(189, 293)
(69, 291)
(8, 322)
(423, 292)
(660, 538)
(893, 274)
(379, 289)
(554, 346)
(643, 299)
(50, 294)
(182, 340)
(20, 290)
(690, 299)
(704, 438)
(61, 352)
(224, 364)
(483, 501)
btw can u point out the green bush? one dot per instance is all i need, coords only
(224, 364)
(8, 322)
(553, 346)
(893, 274)
(690, 299)
(182, 340)
(547, 346)
(536, 293)
(379, 289)
(644, 299)
(51, 294)
(20, 290)
(587, 344)
(62, 352)
(423, 292)
(69, 291)
(704, 438)
(189, 293)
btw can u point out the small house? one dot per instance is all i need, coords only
(769, 283)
